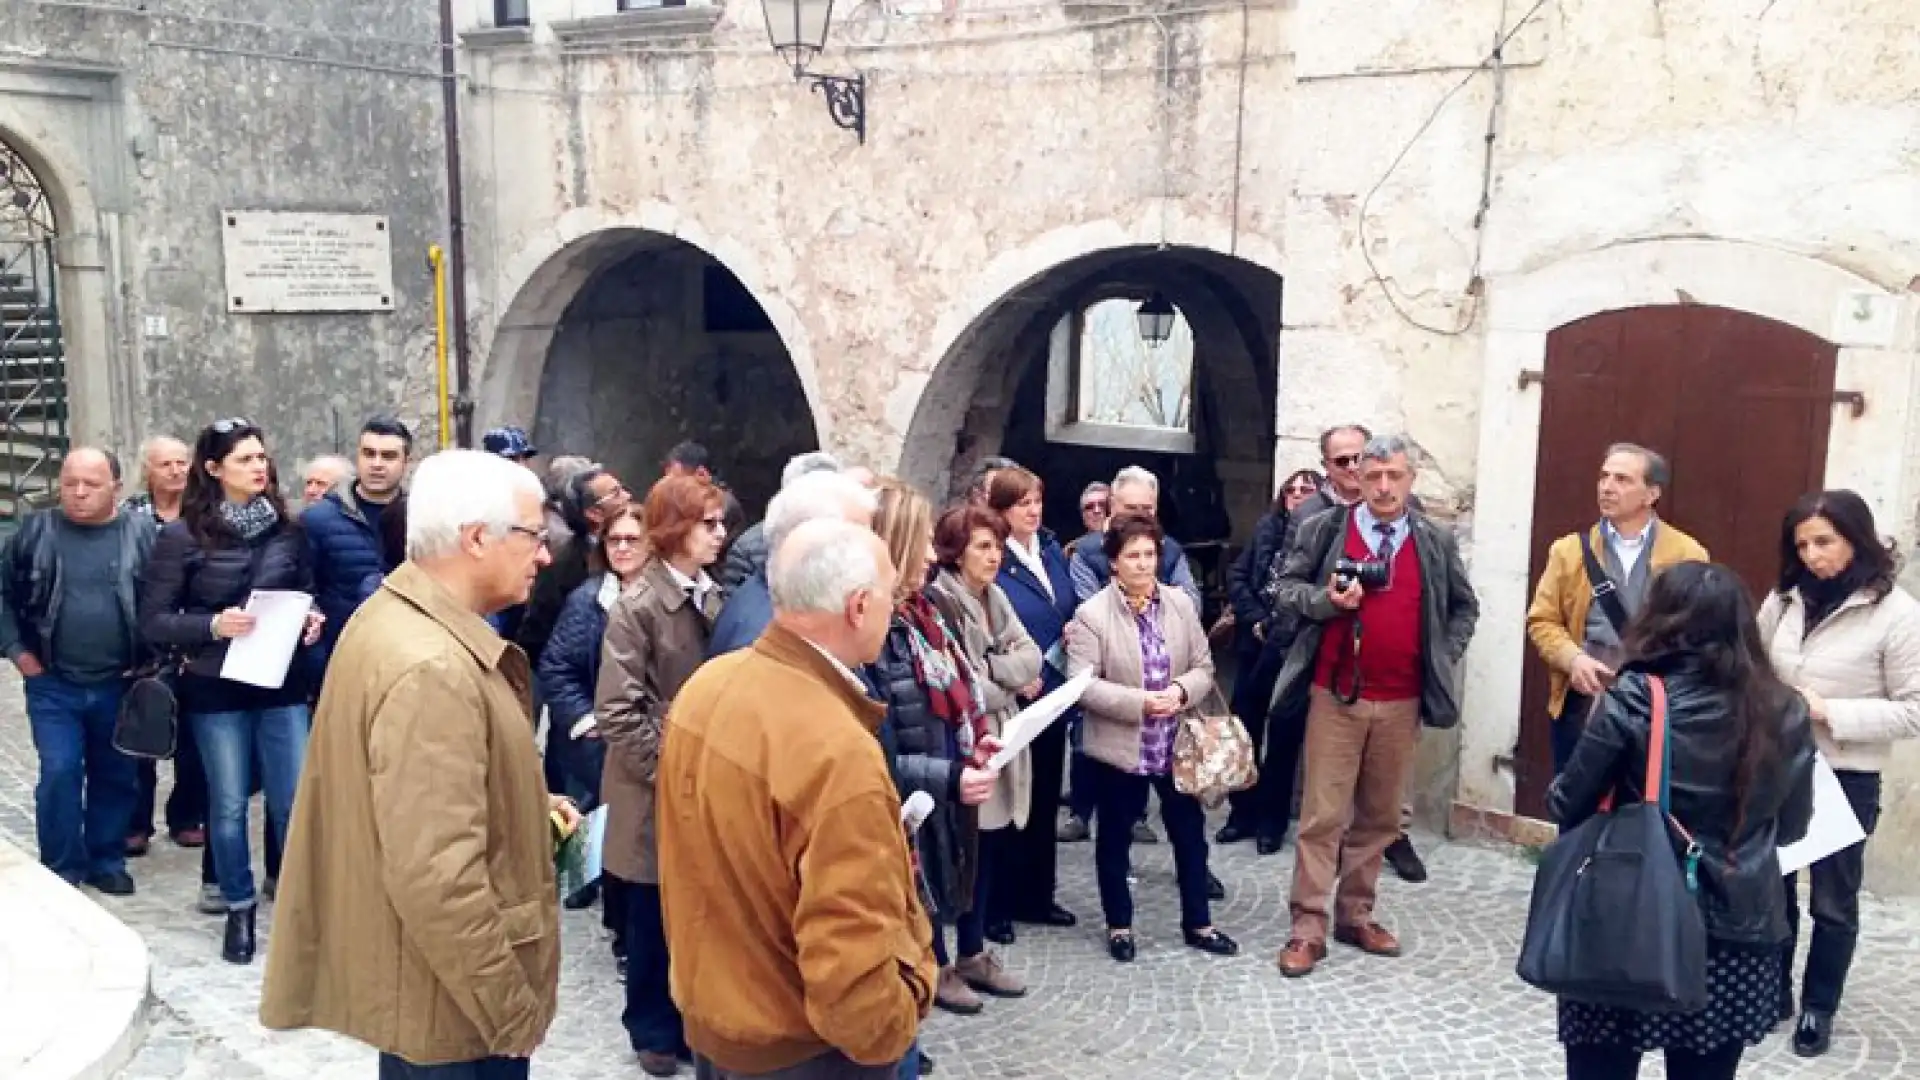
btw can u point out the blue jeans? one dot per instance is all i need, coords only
(228, 742)
(84, 801)
(910, 1065)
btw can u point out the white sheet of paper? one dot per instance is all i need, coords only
(596, 826)
(1834, 826)
(1028, 723)
(261, 658)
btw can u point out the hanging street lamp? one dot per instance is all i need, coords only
(798, 31)
(1156, 320)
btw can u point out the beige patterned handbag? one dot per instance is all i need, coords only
(1212, 753)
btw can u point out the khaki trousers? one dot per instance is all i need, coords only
(1357, 760)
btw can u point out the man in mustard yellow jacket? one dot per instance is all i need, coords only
(1575, 622)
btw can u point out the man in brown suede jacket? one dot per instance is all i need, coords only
(800, 948)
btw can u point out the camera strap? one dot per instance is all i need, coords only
(1605, 592)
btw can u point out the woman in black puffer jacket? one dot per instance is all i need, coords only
(233, 536)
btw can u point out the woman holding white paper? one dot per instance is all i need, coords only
(1840, 630)
(233, 536)
(1006, 664)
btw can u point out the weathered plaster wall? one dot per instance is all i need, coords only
(225, 104)
(1007, 140)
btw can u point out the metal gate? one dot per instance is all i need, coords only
(33, 383)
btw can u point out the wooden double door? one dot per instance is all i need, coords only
(1740, 405)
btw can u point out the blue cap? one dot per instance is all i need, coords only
(508, 442)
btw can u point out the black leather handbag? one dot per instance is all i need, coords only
(149, 720)
(1614, 918)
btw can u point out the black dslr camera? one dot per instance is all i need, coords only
(1366, 573)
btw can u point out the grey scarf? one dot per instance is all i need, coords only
(252, 519)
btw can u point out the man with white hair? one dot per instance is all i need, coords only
(747, 555)
(771, 774)
(418, 910)
(1134, 491)
(321, 475)
(807, 497)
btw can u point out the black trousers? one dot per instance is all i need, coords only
(652, 1022)
(493, 1068)
(1268, 806)
(1025, 871)
(1122, 801)
(1834, 896)
(1616, 1063)
(831, 1066)
(187, 802)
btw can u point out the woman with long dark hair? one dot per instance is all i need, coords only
(1741, 766)
(233, 536)
(1839, 629)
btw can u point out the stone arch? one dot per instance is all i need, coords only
(648, 280)
(1870, 452)
(545, 275)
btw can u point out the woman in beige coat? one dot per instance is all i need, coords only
(1840, 630)
(1148, 653)
(967, 543)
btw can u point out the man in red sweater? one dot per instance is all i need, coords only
(1387, 612)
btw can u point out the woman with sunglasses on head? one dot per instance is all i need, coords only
(569, 670)
(1260, 647)
(1840, 630)
(1740, 766)
(656, 638)
(233, 536)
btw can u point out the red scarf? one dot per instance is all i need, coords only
(943, 671)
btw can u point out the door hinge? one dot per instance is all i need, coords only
(1852, 399)
(1530, 377)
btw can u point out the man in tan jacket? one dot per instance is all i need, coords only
(1575, 622)
(418, 910)
(800, 949)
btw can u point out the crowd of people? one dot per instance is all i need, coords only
(794, 729)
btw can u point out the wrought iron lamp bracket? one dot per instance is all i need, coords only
(846, 100)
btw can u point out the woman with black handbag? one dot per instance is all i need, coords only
(1740, 774)
(233, 536)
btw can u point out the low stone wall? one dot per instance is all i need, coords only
(73, 979)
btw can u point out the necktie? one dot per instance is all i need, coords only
(1385, 547)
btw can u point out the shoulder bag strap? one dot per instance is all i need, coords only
(1660, 777)
(1605, 592)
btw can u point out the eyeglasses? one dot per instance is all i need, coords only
(1345, 461)
(618, 494)
(626, 541)
(1301, 489)
(1094, 507)
(539, 536)
(231, 424)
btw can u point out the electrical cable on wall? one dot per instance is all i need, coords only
(1494, 61)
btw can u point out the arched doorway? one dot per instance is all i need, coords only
(1741, 406)
(1058, 376)
(33, 384)
(631, 341)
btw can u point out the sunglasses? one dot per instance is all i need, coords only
(1345, 461)
(1301, 489)
(231, 424)
(1095, 507)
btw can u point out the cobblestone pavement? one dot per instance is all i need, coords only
(1450, 1008)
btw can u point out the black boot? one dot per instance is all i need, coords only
(238, 947)
(1814, 1034)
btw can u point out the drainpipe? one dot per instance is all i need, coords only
(456, 229)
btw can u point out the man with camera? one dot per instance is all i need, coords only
(1385, 613)
(1594, 581)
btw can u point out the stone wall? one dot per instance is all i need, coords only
(149, 123)
(1757, 156)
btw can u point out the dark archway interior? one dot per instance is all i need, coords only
(1210, 498)
(665, 344)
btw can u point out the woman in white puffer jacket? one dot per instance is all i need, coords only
(1840, 630)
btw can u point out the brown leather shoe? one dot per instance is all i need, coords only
(1370, 938)
(1301, 956)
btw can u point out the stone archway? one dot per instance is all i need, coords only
(33, 377)
(997, 388)
(624, 341)
(1869, 324)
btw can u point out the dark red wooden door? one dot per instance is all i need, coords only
(1739, 404)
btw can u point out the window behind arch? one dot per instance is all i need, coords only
(1108, 386)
